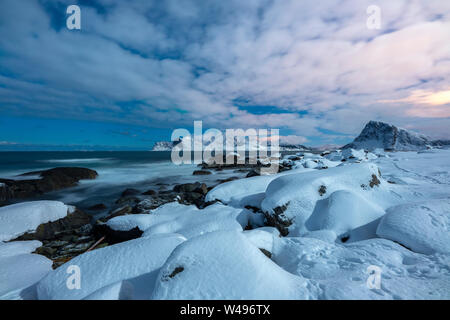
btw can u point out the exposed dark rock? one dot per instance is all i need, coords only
(115, 236)
(220, 181)
(50, 180)
(322, 190)
(254, 209)
(176, 271)
(149, 192)
(201, 172)
(51, 230)
(267, 253)
(374, 182)
(97, 207)
(131, 201)
(253, 173)
(126, 209)
(187, 187)
(278, 220)
(5, 193)
(344, 238)
(130, 192)
(76, 173)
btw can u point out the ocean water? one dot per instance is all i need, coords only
(117, 171)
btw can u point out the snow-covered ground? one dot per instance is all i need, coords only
(355, 225)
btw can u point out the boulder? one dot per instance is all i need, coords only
(50, 180)
(149, 192)
(130, 192)
(201, 172)
(97, 207)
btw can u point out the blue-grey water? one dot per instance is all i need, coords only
(117, 171)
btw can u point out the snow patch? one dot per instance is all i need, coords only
(20, 218)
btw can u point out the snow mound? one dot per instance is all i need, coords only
(20, 271)
(122, 290)
(188, 221)
(20, 218)
(103, 267)
(18, 247)
(342, 212)
(225, 265)
(292, 199)
(423, 227)
(342, 271)
(263, 238)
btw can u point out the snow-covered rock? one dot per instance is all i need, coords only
(188, 221)
(106, 266)
(342, 212)
(20, 270)
(225, 265)
(291, 199)
(263, 238)
(20, 218)
(423, 227)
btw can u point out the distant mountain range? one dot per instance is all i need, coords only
(375, 135)
(168, 146)
(164, 145)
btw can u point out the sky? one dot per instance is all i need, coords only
(139, 69)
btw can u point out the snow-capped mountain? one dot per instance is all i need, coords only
(293, 147)
(389, 137)
(164, 145)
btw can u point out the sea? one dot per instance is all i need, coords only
(118, 170)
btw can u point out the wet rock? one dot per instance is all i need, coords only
(50, 230)
(5, 193)
(45, 251)
(201, 172)
(49, 180)
(97, 207)
(220, 181)
(63, 239)
(131, 201)
(149, 192)
(115, 236)
(130, 192)
(121, 211)
(187, 187)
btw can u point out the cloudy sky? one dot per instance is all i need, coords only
(139, 69)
